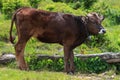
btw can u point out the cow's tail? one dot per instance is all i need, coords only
(11, 38)
(12, 23)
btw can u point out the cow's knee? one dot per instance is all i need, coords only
(19, 47)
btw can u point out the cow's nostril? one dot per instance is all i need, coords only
(104, 31)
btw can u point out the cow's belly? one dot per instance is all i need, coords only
(49, 38)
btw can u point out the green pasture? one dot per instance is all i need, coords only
(14, 74)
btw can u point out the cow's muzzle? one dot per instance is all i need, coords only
(102, 31)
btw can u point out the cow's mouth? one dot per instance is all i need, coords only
(102, 31)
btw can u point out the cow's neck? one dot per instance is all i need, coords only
(82, 24)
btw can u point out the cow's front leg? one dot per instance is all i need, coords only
(72, 62)
(66, 59)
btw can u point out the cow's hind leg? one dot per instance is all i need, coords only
(19, 48)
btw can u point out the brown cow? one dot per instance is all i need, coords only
(53, 27)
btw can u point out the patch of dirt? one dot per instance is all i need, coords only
(103, 76)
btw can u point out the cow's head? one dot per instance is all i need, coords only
(94, 24)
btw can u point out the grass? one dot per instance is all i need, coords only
(113, 34)
(114, 3)
(5, 46)
(13, 74)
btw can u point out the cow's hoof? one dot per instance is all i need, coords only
(23, 68)
(70, 73)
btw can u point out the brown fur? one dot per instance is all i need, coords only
(52, 27)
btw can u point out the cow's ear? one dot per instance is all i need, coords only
(102, 17)
(90, 17)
